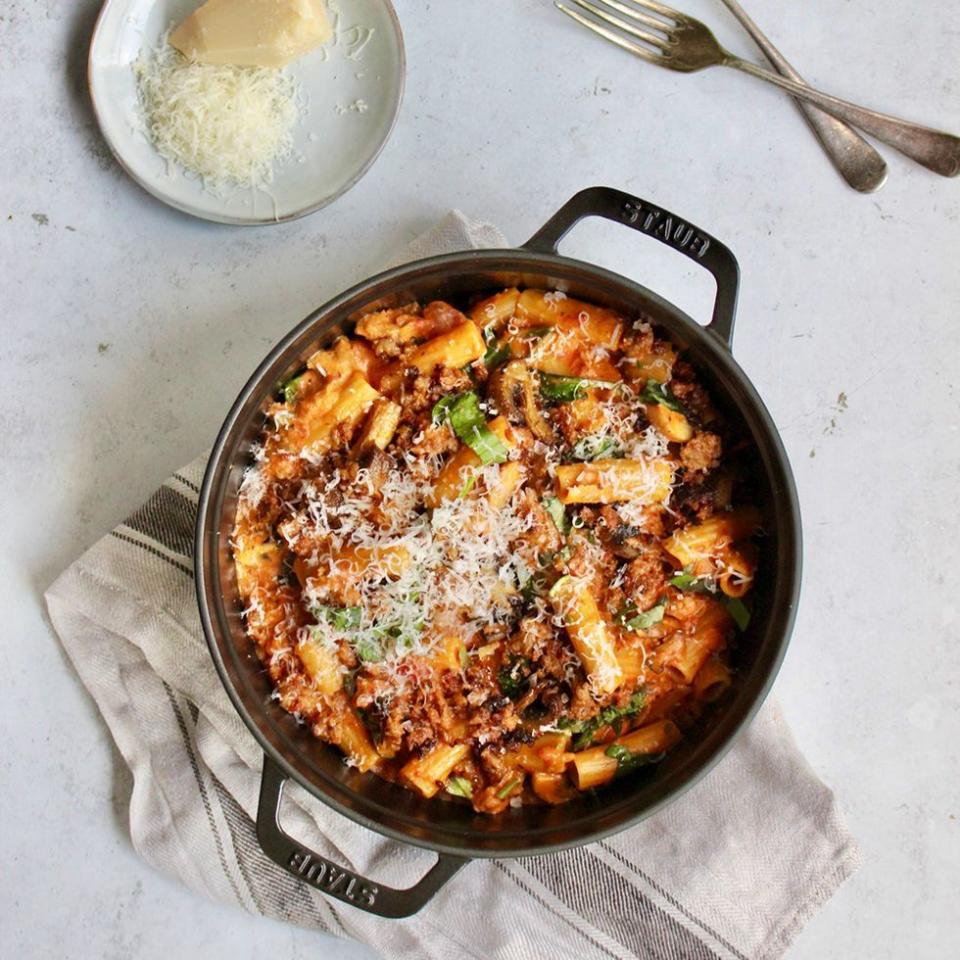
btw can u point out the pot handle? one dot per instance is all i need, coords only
(327, 876)
(660, 224)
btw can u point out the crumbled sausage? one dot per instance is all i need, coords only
(645, 580)
(701, 453)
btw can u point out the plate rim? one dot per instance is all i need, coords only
(241, 220)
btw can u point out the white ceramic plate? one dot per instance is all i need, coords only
(335, 142)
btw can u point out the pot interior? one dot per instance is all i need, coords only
(442, 824)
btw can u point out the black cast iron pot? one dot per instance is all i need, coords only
(453, 830)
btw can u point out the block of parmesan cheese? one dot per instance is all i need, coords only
(252, 33)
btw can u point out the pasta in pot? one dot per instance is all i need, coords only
(498, 554)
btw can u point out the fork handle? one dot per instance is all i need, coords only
(937, 151)
(855, 160)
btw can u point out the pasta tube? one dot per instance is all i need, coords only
(592, 637)
(322, 666)
(671, 423)
(614, 481)
(597, 324)
(455, 348)
(350, 735)
(547, 754)
(595, 766)
(496, 309)
(712, 680)
(737, 568)
(344, 357)
(458, 470)
(340, 403)
(255, 564)
(685, 653)
(380, 427)
(704, 541)
(427, 773)
(552, 788)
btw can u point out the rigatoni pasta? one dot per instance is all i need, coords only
(496, 552)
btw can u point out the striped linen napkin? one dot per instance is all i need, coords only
(732, 869)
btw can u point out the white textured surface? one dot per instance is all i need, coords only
(128, 329)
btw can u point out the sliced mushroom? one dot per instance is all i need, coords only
(504, 386)
(514, 389)
(536, 421)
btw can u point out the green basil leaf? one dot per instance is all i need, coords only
(459, 787)
(656, 392)
(619, 753)
(369, 651)
(470, 425)
(467, 486)
(534, 333)
(497, 354)
(508, 788)
(627, 760)
(593, 448)
(514, 678)
(565, 389)
(347, 618)
(688, 583)
(739, 611)
(343, 618)
(644, 620)
(441, 409)
(586, 730)
(557, 513)
(291, 388)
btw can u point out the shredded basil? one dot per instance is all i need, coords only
(564, 389)
(585, 730)
(369, 651)
(533, 586)
(689, 583)
(557, 513)
(563, 555)
(459, 787)
(343, 618)
(291, 388)
(739, 611)
(593, 448)
(627, 760)
(467, 486)
(497, 354)
(469, 424)
(619, 752)
(508, 788)
(392, 632)
(631, 620)
(514, 678)
(441, 408)
(534, 333)
(656, 392)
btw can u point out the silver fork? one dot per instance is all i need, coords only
(856, 161)
(672, 39)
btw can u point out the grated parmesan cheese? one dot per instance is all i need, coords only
(228, 125)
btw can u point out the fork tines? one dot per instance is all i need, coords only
(657, 44)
